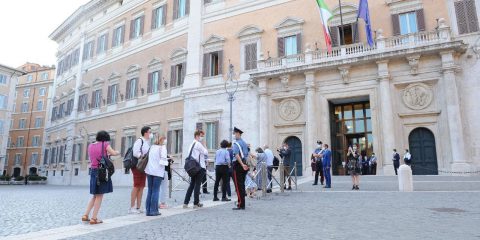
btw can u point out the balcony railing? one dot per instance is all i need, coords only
(381, 45)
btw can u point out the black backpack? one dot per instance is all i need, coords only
(130, 161)
(105, 168)
(192, 166)
(276, 162)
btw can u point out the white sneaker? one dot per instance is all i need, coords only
(140, 210)
(133, 211)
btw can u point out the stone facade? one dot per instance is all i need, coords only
(414, 77)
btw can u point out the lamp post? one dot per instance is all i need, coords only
(231, 87)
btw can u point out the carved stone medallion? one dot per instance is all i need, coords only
(417, 96)
(290, 109)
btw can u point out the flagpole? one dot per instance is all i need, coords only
(341, 23)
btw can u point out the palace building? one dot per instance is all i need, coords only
(165, 64)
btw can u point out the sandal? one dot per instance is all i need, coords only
(95, 221)
(85, 218)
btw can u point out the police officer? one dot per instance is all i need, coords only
(318, 163)
(240, 167)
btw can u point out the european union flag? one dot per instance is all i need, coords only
(364, 13)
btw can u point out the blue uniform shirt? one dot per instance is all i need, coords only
(327, 158)
(236, 150)
(222, 157)
(318, 151)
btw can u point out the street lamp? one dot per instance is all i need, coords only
(231, 87)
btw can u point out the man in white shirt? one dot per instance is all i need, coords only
(270, 158)
(198, 152)
(407, 158)
(140, 148)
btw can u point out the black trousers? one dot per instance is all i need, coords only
(269, 171)
(373, 169)
(239, 178)
(318, 171)
(396, 165)
(194, 187)
(204, 183)
(221, 173)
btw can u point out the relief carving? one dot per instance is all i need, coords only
(289, 109)
(417, 96)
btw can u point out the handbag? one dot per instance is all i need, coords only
(142, 162)
(106, 168)
(192, 166)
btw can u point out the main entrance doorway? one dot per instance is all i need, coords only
(424, 153)
(295, 146)
(351, 124)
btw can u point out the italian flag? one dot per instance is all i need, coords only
(325, 15)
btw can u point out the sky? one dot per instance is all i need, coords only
(25, 26)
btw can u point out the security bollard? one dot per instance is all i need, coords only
(264, 179)
(282, 176)
(405, 179)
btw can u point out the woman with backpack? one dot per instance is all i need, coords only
(155, 170)
(96, 151)
(354, 166)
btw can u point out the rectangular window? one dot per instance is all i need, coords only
(3, 101)
(61, 111)
(250, 56)
(212, 64)
(76, 57)
(45, 76)
(158, 17)
(154, 82)
(18, 159)
(112, 94)
(408, 23)
(2, 127)
(102, 43)
(88, 50)
(42, 91)
(118, 36)
(82, 102)
(38, 122)
(40, 105)
(69, 107)
(24, 107)
(34, 159)
(20, 141)
(211, 135)
(76, 171)
(3, 79)
(96, 98)
(22, 123)
(36, 141)
(136, 27)
(180, 8)
(132, 86)
(177, 74)
(26, 93)
(291, 45)
(467, 19)
(176, 142)
(29, 78)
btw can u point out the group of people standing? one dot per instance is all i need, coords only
(407, 159)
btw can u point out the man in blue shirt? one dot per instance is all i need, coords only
(327, 164)
(222, 163)
(318, 163)
(240, 167)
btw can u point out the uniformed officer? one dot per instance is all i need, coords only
(240, 167)
(318, 163)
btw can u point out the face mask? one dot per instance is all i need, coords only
(285, 148)
(234, 136)
(165, 142)
(319, 146)
(200, 139)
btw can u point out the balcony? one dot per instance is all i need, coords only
(383, 48)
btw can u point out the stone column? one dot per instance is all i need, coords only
(264, 116)
(193, 78)
(310, 128)
(454, 117)
(386, 118)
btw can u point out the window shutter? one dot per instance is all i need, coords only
(73, 152)
(173, 78)
(396, 24)
(142, 24)
(471, 16)
(247, 57)
(199, 126)
(421, 20)
(109, 95)
(206, 65)
(106, 41)
(253, 56)
(164, 15)
(114, 36)
(80, 147)
(299, 43)
(91, 49)
(180, 140)
(281, 46)
(355, 32)
(169, 141)
(154, 18)
(122, 34)
(184, 71)
(98, 44)
(220, 62)
(132, 28)
(136, 86)
(175, 9)
(216, 137)
(127, 94)
(93, 100)
(159, 85)
(187, 7)
(334, 33)
(122, 147)
(149, 84)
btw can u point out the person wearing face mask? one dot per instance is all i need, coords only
(286, 153)
(354, 166)
(396, 161)
(373, 164)
(327, 164)
(240, 167)
(198, 152)
(317, 161)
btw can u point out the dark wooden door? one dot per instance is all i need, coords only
(295, 146)
(16, 172)
(423, 151)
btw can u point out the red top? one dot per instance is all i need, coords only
(95, 153)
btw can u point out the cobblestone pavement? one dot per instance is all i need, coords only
(377, 211)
